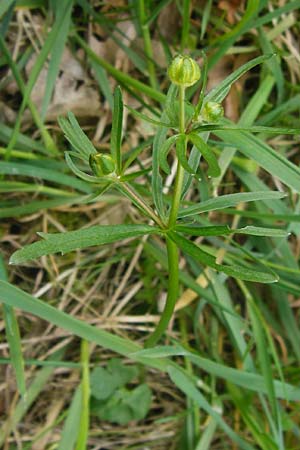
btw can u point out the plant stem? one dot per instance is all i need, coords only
(172, 250)
(180, 169)
(138, 201)
(147, 44)
(173, 284)
(85, 389)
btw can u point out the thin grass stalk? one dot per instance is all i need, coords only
(147, 44)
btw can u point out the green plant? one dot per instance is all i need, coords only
(112, 399)
(170, 217)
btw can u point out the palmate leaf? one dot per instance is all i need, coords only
(73, 240)
(240, 272)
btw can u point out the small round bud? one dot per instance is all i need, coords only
(212, 112)
(184, 71)
(101, 164)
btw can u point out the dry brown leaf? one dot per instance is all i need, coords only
(169, 22)
(73, 89)
(231, 7)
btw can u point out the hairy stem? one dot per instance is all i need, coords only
(173, 284)
(180, 169)
(172, 250)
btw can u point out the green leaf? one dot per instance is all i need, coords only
(39, 64)
(181, 153)
(221, 230)
(146, 118)
(140, 401)
(82, 175)
(40, 381)
(270, 160)
(197, 230)
(48, 141)
(104, 382)
(15, 297)
(56, 54)
(239, 377)
(124, 405)
(186, 385)
(77, 138)
(22, 169)
(5, 4)
(12, 333)
(84, 425)
(116, 130)
(159, 140)
(32, 207)
(240, 272)
(225, 201)
(207, 153)
(263, 354)
(73, 240)
(251, 129)
(218, 93)
(261, 231)
(71, 427)
(126, 80)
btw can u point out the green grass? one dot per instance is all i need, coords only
(221, 243)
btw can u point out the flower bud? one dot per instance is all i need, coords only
(212, 112)
(184, 71)
(101, 164)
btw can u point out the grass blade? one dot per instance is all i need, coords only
(57, 52)
(10, 295)
(116, 130)
(40, 381)
(13, 338)
(4, 6)
(85, 403)
(48, 141)
(71, 427)
(47, 47)
(22, 169)
(219, 92)
(184, 383)
(124, 79)
(270, 160)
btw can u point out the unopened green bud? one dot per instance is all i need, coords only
(184, 71)
(101, 164)
(212, 112)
